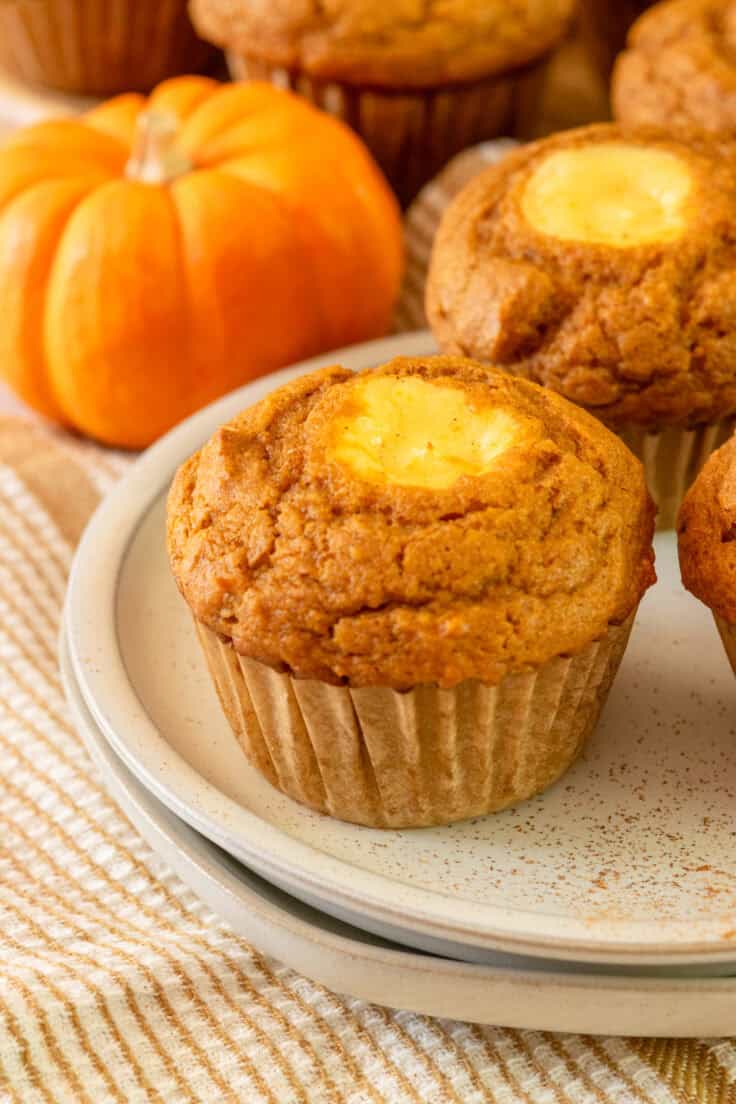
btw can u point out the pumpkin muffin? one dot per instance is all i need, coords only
(706, 530)
(602, 263)
(679, 70)
(413, 585)
(418, 82)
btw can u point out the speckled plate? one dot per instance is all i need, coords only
(509, 990)
(630, 858)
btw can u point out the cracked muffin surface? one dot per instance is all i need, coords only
(399, 43)
(601, 263)
(707, 534)
(679, 68)
(429, 521)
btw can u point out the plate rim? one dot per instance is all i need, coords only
(400, 965)
(90, 613)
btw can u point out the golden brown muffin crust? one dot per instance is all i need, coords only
(643, 335)
(679, 70)
(307, 568)
(399, 43)
(706, 529)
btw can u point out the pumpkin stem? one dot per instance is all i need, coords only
(155, 158)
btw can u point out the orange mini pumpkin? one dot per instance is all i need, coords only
(157, 253)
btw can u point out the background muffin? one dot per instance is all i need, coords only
(413, 586)
(98, 47)
(707, 541)
(602, 263)
(679, 70)
(417, 88)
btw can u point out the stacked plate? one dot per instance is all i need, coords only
(606, 905)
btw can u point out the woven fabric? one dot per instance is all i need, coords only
(117, 984)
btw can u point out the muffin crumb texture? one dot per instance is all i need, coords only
(707, 534)
(601, 263)
(679, 69)
(298, 537)
(399, 43)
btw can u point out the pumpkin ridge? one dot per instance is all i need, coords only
(335, 319)
(181, 261)
(99, 148)
(27, 352)
(297, 320)
(182, 252)
(247, 136)
(332, 323)
(199, 130)
(300, 175)
(117, 117)
(182, 96)
(133, 345)
(22, 169)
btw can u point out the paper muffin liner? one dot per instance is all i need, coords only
(411, 134)
(672, 457)
(423, 218)
(99, 47)
(428, 756)
(727, 630)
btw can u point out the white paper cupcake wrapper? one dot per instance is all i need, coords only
(423, 218)
(672, 458)
(428, 756)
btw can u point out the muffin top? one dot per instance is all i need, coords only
(679, 70)
(600, 262)
(429, 521)
(706, 532)
(400, 43)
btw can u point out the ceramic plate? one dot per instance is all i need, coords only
(629, 858)
(513, 993)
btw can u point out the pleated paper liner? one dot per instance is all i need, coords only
(672, 458)
(423, 218)
(727, 630)
(427, 756)
(411, 134)
(99, 47)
